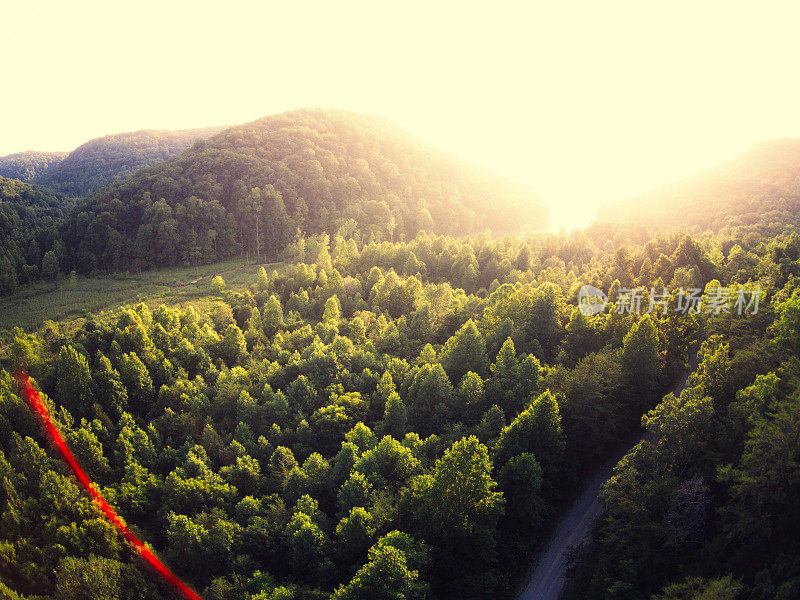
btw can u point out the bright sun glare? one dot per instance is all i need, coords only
(586, 102)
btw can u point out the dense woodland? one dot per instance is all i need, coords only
(30, 246)
(760, 186)
(255, 188)
(250, 189)
(30, 165)
(406, 420)
(393, 412)
(101, 161)
(33, 215)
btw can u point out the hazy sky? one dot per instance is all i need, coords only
(587, 102)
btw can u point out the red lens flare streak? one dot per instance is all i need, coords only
(37, 404)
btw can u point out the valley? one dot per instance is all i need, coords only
(312, 357)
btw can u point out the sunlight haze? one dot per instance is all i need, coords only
(424, 300)
(586, 102)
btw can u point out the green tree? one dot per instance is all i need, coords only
(232, 346)
(97, 578)
(272, 317)
(217, 284)
(695, 588)
(787, 324)
(74, 380)
(641, 360)
(333, 310)
(430, 397)
(388, 464)
(362, 437)
(109, 389)
(582, 337)
(537, 430)
(513, 380)
(281, 464)
(456, 507)
(354, 533)
(308, 548)
(245, 474)
(465, 351)
(491, 426)
(262, 280)
(137, 382)
(50, 265)
(356, 491)
(520, 481)
(386, 576)
(471, 395)
(766, 483)
(395, 417)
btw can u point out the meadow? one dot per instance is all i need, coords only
(71, 300)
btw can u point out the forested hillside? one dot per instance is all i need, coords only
(104, 160)
(761, 186)
(29, 244)
(250, 189)
(30, 165)
(394, 412)
(404, 420)
(706, 505)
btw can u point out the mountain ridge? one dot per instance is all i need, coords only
(27, 165)
(762, 185)
(309, 170)
(103, 160)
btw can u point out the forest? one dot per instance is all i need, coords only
(251, 190)
(104, 160)
(760, 186)
(406, 419)
(405, 395)
(28, 166)
(30, 244)
(101, 161)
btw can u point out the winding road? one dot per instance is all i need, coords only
(546, 580)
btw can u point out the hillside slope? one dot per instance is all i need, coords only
(29, 220)
(27, 166)
(104, 160)
(761, 186)
(249, 189)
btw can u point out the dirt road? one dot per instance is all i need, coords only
(547, 579)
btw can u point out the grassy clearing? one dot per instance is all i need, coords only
(71, 303)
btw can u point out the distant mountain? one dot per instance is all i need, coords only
(104, 160)
(761, 186)
(250, 188)
(27, 166)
